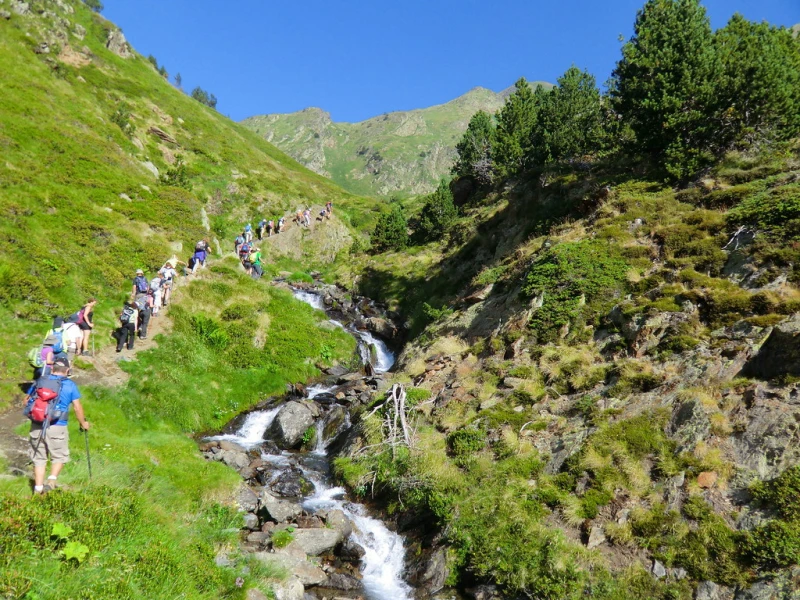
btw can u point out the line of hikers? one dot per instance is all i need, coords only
(53, 392)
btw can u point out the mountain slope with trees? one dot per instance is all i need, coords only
(399, 153)
(604, 336)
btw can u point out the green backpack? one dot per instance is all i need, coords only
(35, 357)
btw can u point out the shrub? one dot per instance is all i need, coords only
(466, 441)
(775, 544)
(282, 537)
(568, 275)
(391, 231)
(783, 493)
(438, 214)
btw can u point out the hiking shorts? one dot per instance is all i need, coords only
(55, 444)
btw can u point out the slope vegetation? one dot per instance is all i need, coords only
(399, 153)
(107, 168)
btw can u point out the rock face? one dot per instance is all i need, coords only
(277, 509)
(290, 424)
(117, 43)
(317, 541)
(780, 354)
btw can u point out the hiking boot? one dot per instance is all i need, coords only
(84, 353)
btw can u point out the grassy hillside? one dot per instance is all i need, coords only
(403, 153)
(80, 208)
(579, 367)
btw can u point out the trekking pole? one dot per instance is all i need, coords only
(88, 456)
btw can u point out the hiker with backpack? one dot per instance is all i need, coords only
(143, 307)
(168, 274)
(237, 243)
(279, 226)
(140, 284)
(261, 228)
(248, 233)
(129, 324)
(198, 260)
(270, 227)
(328, 209)
(155, 293)
(41, 358)
(47, 407)
(255, 262)
(85, 322)
(307, 217)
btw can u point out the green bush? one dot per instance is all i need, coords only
(391, 231)
(783, 493)
(774, 544)
(466, 441)
(282, 537)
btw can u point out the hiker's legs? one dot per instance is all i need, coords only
(144, 319)
(38, 475)
(55, 469)
(122, 332)
(85, 340)
(130, 328)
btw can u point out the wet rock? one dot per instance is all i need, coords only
(689, 425)
(317, 541)
(433, 572)
(351, 551)
(251, 521)
(326, 399)
(335, 422)
(277, 509)
(291, 484)
(343, 581)
(336, 519)
(290, 424)
(780, 353)
(383, 327)
(235, 460)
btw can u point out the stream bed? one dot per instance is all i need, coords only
(382, 551)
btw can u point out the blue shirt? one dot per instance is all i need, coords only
(68, 394)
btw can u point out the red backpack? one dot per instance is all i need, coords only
(42, 404)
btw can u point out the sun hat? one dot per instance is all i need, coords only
(139, 272)
(61, 361)
(50, 340)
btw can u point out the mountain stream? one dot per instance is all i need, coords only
(383, 562)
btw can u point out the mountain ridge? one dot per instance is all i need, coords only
(401, 153)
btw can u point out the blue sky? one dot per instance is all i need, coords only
(357, 58)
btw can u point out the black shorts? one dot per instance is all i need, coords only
(84, 326)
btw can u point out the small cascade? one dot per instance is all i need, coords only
(319, 444)
(384, 358)
(251, 434)
(313, 300)
(313, 391)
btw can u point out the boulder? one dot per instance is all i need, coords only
(291, 484)
(383, 327)
(117, 43)
(291, 422)
(707, 479)
(235, 460)
(342, 581)
(596, 537)
(336, 370)
(351, 551)
(659, 570)
(317, 541)
(335, 422)
(247, 499)
(689, 425)
(780, 353)
(708, 590)
(338, 521)
(251, 521)
(291, 589)
(277, 509)
(432, 572)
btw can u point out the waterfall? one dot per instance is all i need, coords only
(251, 433)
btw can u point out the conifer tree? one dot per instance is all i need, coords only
(760, 86)
(514, 127)
(438, 214)
(475, 150)
(664, 84)
(391, 231)
(569, 122)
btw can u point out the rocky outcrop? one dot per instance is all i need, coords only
(780, 353)
(117, 44)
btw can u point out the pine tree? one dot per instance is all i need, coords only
(664, 84)
(514, 127)
(391, 231)
(475, 150)
(438, 214)
(569, 120)
(760, 87)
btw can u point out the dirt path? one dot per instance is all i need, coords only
(104, 371)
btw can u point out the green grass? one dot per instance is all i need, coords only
(66, 231)
(156, 513)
